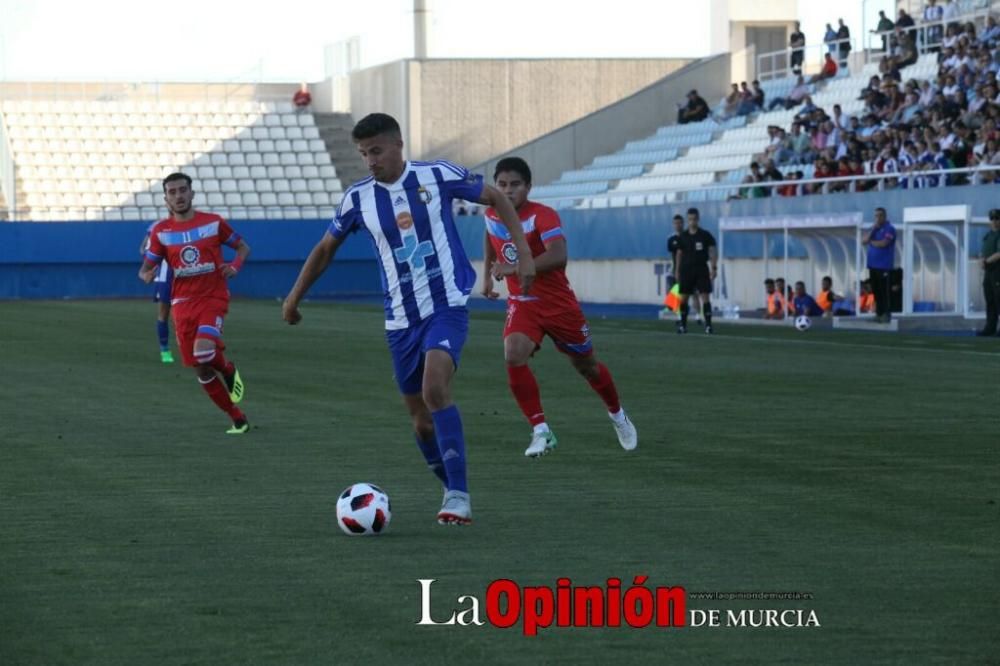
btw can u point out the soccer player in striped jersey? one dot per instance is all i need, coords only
(551, 309)
(191, 242)
(161, 296)
(406, 209)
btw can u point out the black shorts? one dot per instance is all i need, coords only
(696, 281)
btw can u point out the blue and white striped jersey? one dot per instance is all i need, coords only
(423, 265)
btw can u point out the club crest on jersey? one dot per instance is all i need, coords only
(509, 252)
(424, 195)
(404, 220)
(190, 255)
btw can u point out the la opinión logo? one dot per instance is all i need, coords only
(565, 605)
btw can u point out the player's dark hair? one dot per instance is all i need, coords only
(827, 277)
(515, 164)
(678, 217)
(768, 281)
(177, 175)
(375, 124)
(779, 279)
(881, 209)
(995, 214)
(694, 211)
(800, 282)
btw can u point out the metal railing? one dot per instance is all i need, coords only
(881, 180)
(778, 64)
(8, 177)
(928, 34)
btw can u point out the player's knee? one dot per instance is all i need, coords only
(517, 350)
(436, 396)
(423, 425)
(204, 351)
(586, 366)
(205, 372)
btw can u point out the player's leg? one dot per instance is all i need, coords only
(571, 334)
(704, 289)
(522, 337)
(684, 309)
(423, 433)
(408, 369)
(442, 343)
(696, 301)
(162, 299)
(210, 362)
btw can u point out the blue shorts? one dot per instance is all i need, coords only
(445, 330)
(162, 292)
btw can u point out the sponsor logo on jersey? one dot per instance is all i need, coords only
(424, 195)
(404, 220)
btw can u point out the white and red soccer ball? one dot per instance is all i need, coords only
(363, 509)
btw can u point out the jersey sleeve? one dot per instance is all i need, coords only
(458, 183)
(154, 248)
(347, 220)
(548, 225)
(227, 235)
(709, 240)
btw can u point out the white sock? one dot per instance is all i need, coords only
(618, 417)
(540, 429)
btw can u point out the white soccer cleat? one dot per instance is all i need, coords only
(627, 435)
(541, 443)
(456, 509)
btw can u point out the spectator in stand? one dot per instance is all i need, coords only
(804, 303)
(758, 95)
(907, 161)
(881, 243)
(830, 39)
(909, 108)
(795, 96)
(884, 27)
(933, 14)
(843, 42)
(905, 21)
(800, 145)
(731, 102)
(951, 13)
(747, 104)
(797, 42)
(695, 111)
(779, 287)
(828, 71)
(991, 34)
(926, 94)
(302, 98)
(791, 189)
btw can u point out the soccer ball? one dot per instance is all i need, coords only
(802, 323)
(363, 509)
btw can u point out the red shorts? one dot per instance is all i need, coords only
(198, 319)
(568, 328)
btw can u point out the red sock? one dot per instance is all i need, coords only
(605, 387)
(217, 391)
(220, 363)
(525, 389)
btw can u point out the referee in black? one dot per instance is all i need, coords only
(990, 263)
(674, 243)
(696, 266)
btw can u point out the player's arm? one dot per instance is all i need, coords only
(678, 254)
(489, 259)
(491, 196)
(242, 252)
(713, 260)
(315, 265)
(152, 255)
(144, 244)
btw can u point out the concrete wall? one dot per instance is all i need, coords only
(470, 110)
(605, 131)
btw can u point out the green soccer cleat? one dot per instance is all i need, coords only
(166, 357)
(235, 386)
(240, 427)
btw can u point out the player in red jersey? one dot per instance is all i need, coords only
(191, 241)
(551, 309)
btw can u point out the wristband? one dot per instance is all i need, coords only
(237, 263)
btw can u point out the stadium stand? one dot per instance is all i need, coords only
(680, 162)
(103, 160)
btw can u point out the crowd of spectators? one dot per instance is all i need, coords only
(905, 127)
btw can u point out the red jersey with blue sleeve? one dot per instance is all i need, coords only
(193, 249)
(541, 225)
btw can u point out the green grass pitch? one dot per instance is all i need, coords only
(862, 468)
